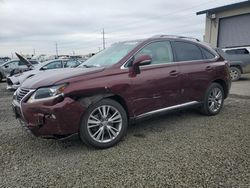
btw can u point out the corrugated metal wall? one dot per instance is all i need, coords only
(234, 31)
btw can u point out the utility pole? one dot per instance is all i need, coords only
(34, 51)
(56, 50)
(103, 38)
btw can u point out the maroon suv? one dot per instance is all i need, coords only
(128, 81)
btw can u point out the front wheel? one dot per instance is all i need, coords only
(214, 99)
(104, 124)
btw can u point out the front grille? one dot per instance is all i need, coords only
(9, 82)
(21, 93)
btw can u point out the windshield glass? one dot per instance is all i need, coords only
(111, 55)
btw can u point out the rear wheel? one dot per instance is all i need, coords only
(235, 73)
(104, 124)
(214, 99)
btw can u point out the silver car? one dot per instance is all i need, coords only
(13, 82)
(15, 64)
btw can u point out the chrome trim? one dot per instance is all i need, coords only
(167, 109)
(47, 98)
(19, 104)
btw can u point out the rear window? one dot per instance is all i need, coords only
(237, 51)
(187, 52)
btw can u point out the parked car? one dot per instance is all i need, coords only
(123, 83)
(4, 59)
(239, 58)
(14, 81)
(13, 66)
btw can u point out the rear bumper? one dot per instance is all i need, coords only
(48, 119)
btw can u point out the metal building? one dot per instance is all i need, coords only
(228, 26)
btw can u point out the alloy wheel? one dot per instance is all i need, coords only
(215, 99)
(104, 123)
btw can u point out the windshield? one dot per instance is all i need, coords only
(111, 55)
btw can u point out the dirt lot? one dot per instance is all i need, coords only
(183, 149)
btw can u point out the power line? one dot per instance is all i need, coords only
(139, 22)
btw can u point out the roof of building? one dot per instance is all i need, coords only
(226, 7)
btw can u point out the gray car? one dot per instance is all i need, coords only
(15, 64)
(239, 58)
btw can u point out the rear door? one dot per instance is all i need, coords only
(158, 84)
(196, 67)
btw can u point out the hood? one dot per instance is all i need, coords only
(19, 78)
(23, 60)
(48, 78)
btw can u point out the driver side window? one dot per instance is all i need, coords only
(160, 52)
(13, 64)
(72, 63)
(54, 65)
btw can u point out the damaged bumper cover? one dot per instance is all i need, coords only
(50, 119)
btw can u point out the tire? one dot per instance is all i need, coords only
(235, 73)
(97, 128)
(214, 99)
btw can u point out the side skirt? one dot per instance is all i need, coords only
(165, 110)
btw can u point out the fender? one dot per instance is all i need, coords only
(87, 101)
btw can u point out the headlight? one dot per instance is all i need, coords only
(47, 93)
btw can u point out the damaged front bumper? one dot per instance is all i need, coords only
(50, 119)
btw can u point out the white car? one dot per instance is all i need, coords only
(13, 82)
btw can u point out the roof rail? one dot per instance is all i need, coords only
(175, 36)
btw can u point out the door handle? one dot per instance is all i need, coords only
(209, 68)
(174, 73)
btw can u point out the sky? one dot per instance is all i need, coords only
(32, 26)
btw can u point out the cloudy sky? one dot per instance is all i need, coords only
(76, 25)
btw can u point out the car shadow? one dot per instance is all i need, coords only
(136, 129)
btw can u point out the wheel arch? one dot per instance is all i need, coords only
(87, 101)
(238, 66)
(224, 86)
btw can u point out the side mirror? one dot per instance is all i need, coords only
(139, 61)
(44, 68)
(6, 66)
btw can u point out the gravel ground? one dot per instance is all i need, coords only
(183, 149)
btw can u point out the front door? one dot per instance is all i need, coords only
(158, 84)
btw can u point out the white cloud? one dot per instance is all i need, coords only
(76, 25)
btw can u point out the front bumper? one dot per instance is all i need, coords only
(50, 118)
(12, 84)
(12, 87)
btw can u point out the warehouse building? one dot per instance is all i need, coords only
(228, 26)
